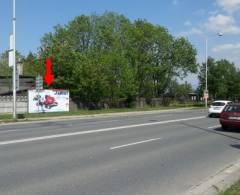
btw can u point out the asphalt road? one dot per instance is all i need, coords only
(152, 154)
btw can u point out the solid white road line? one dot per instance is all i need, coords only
(107, 115)
(94, 131)
(213, 127)
(24, 130)
(134, 143)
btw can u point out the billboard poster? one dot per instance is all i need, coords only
(53, 100)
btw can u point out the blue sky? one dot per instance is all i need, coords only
(190, 18)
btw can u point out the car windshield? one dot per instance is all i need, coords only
(218, 104)
(232, 108)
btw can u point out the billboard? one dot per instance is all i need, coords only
(53, 100)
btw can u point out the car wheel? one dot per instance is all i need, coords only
(210, 115)
(224, 127)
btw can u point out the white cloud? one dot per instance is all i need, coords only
(192, 31)
(224, 20)
(228, 51)
(212, 13)
(222, 23)
(195, 31)
(235, 48)
(175, 2)
(230, 6)
(187, 23)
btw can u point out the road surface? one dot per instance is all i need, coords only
(150, 154)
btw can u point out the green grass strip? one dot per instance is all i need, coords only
(233, 190)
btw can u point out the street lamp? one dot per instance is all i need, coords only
(206, 74)
(220, 34)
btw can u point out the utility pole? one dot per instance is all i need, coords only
(14, 61)
(206, 74)
(206, 93)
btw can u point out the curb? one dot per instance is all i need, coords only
(105, 115)
(219, 182)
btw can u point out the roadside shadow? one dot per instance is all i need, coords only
(230, 130)
(218, 131)
(237, 146)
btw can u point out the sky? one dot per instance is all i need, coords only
(197, 20)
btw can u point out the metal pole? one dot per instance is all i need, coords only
(206, 74)
(14, 60)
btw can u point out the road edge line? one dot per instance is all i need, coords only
(89, 116)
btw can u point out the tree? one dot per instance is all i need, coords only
(158, 57)
(223, 79)
(31, 65)
(109, 58)
(180, 90)
(5, 70)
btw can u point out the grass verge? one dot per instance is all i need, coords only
(26, 116)
(234, 190)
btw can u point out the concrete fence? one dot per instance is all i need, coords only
(6, 104)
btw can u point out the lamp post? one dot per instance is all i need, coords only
(14, 60)
(206, 94)
(206, 74)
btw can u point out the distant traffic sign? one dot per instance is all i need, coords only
(39, 82)
(17, 80)
(206, 96)
(10, 52)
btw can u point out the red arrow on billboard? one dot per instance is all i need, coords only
(48, 77)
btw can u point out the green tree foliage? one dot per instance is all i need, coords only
(108, 57)
(31, 65)
(180, 90)
(223, 79)
(5, 70)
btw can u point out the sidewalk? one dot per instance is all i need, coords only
(219, 182)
